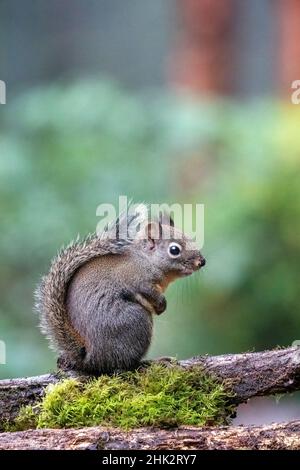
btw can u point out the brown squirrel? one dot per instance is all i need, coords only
(98, 299)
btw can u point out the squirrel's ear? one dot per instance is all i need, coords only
(153, 232)
(166, 219)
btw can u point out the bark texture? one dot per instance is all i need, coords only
(15, 393)
(255, 374)
(274, 436)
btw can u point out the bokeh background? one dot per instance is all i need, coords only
(183, 101)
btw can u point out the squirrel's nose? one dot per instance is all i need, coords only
(200, 262)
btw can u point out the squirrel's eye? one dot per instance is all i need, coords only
(174, 250)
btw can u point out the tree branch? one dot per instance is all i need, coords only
(253, 374)
(15, 393)
(274, 436)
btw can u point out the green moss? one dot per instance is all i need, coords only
(27, 419)
(156, 396)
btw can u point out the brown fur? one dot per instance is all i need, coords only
(98, 299)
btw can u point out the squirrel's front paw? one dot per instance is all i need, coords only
(152, 300)
(157, 300)
(161, 305)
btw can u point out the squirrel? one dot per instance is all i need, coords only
(97, 302)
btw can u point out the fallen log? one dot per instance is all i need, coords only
(268, 437)
(252, 374)
(256, 373)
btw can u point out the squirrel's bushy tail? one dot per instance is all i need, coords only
(51, 294)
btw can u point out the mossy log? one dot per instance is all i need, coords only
(256, 373)
(252, 374)
(274, 436)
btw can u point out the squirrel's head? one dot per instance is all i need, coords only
(169, 250)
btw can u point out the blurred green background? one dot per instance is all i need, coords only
(66, 148)
(82, 131)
